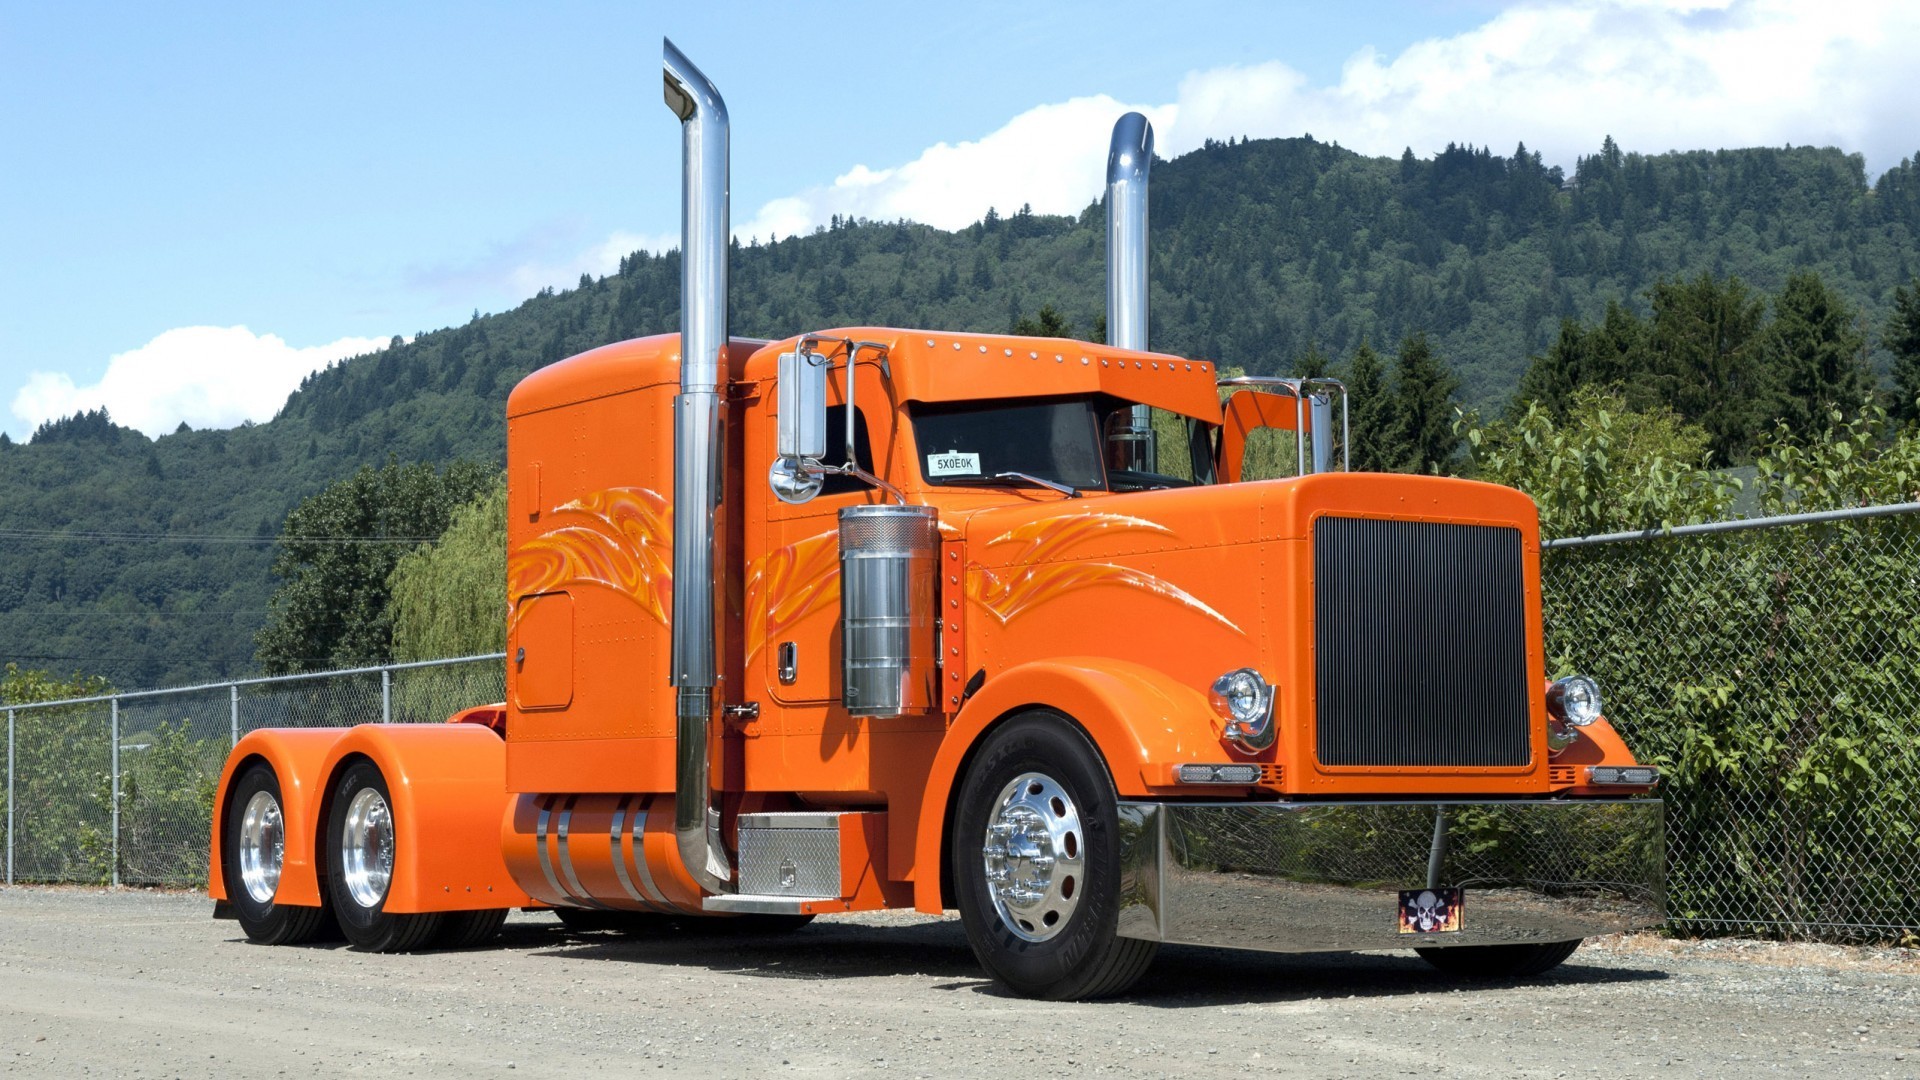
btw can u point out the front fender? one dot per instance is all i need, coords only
(296, 756)
(448, 784)
(1135, 715)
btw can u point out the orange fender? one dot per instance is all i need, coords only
(295, 755)
(448, 783)
(1135, 715)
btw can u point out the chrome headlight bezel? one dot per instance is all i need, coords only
(1575, 700)
(1244, 700)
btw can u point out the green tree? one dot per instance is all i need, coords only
(449, 598)
(1048, 323)
(1613, 353)
(1376, 446)
(336, 553)
(1423, 409)
(1818, 354)
(1604, 467)
(1709, 360)
(1902, 339)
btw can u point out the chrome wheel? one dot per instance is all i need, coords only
(366, 848)
(1035, 856)
(263, 844)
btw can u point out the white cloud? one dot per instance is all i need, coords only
(550, 256)
(1655, 74)
(1053, 157)
(206, 376)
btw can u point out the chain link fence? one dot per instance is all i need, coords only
(1772, 668)
(119, 789)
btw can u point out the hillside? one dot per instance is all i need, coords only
(1261, 249)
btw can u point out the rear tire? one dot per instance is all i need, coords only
(1038, 805)
(361, 835)
(252, 845)
(1499, 961)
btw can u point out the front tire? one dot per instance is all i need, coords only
(1499, 961)
(1036, 862)
(252, 847)
(361, 837)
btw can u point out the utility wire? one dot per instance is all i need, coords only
(186, 538)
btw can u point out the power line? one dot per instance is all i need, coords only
(126, 614)
(52, 536)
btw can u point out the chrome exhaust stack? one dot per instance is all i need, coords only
(697, 417)
(1129, 158)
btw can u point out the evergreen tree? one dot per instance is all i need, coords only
(1375, 446)
(1048, 323)
(1708, 360)
(1902, 339)
(1817, 353)
(1423, 409)
(1311, 364)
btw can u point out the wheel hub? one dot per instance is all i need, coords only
(1035, 856)
(366, 847)
(263, 846)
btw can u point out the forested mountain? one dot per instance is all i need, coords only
(147, 560)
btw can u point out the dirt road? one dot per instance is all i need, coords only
(147, 984)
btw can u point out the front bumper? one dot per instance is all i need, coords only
(1326, 877)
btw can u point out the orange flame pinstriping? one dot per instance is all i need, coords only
(621, 538)
(1034, 581)
(789, 584)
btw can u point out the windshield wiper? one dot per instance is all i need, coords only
(1068, 490)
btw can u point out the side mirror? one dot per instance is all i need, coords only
(801, 438)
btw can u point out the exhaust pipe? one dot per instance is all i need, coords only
(1129, 158)
(697, 414)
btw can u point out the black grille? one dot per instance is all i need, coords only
(1420, 644)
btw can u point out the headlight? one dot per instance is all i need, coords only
(1245, 701)
(1574, 700)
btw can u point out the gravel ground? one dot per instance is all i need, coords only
(131, 983)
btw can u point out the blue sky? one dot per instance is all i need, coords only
(326, 176)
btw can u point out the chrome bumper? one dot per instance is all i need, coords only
(1326, 877)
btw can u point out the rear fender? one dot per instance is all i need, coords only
(448, 783)
(297, 757)
(1136, 716)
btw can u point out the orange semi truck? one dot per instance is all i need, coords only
(877, 618)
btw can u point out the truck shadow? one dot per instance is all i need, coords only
(1181, 976)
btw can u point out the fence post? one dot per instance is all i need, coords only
(115, 735)
(386, 695)
(234, 702)
(9, 796)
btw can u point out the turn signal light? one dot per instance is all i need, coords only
(1625, 776)
(1219, 774)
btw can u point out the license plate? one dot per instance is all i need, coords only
(1431, 911)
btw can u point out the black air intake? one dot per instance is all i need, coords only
(1420, 644)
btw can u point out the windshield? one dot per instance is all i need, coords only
(1055, 439)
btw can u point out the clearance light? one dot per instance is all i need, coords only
(1625, 776)
(1574, 700)
(1219, 774)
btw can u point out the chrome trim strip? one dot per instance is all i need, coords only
(637, 851)
(1326, 877)
(749, 904)
(616, 846)
(566, 856)
(540, 845)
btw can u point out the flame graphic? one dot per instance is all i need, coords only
(621, 538)
(789, 584)
(1037, 581)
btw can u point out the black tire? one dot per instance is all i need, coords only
(467, 929)
(265, 922)
(1499, 961)
(363, 918)
(1079, 956)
